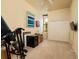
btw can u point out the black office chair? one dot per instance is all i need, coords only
(7, 36)
(19, 44)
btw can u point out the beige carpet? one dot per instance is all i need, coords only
(52, 50)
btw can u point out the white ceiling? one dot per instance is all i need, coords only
(50, 4)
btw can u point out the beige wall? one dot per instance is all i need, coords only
(59, 15)
(74, 17)
(14, 13)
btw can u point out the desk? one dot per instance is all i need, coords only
(25, 34)
(40, 38)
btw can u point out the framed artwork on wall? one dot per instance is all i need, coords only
(37, 23)
(30, 19)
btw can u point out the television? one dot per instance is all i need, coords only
(74, 26)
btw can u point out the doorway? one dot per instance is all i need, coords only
(45, 26)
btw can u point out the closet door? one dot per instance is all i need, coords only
(58, 30)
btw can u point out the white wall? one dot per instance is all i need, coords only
(74, 17)
(14, 13)
(58, 24)
(41, 25)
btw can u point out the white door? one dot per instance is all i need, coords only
(58, 30)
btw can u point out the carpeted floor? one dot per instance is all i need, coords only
(52, 50)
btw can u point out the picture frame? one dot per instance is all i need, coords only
(30, 20)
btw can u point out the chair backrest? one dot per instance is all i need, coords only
(18, 33)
